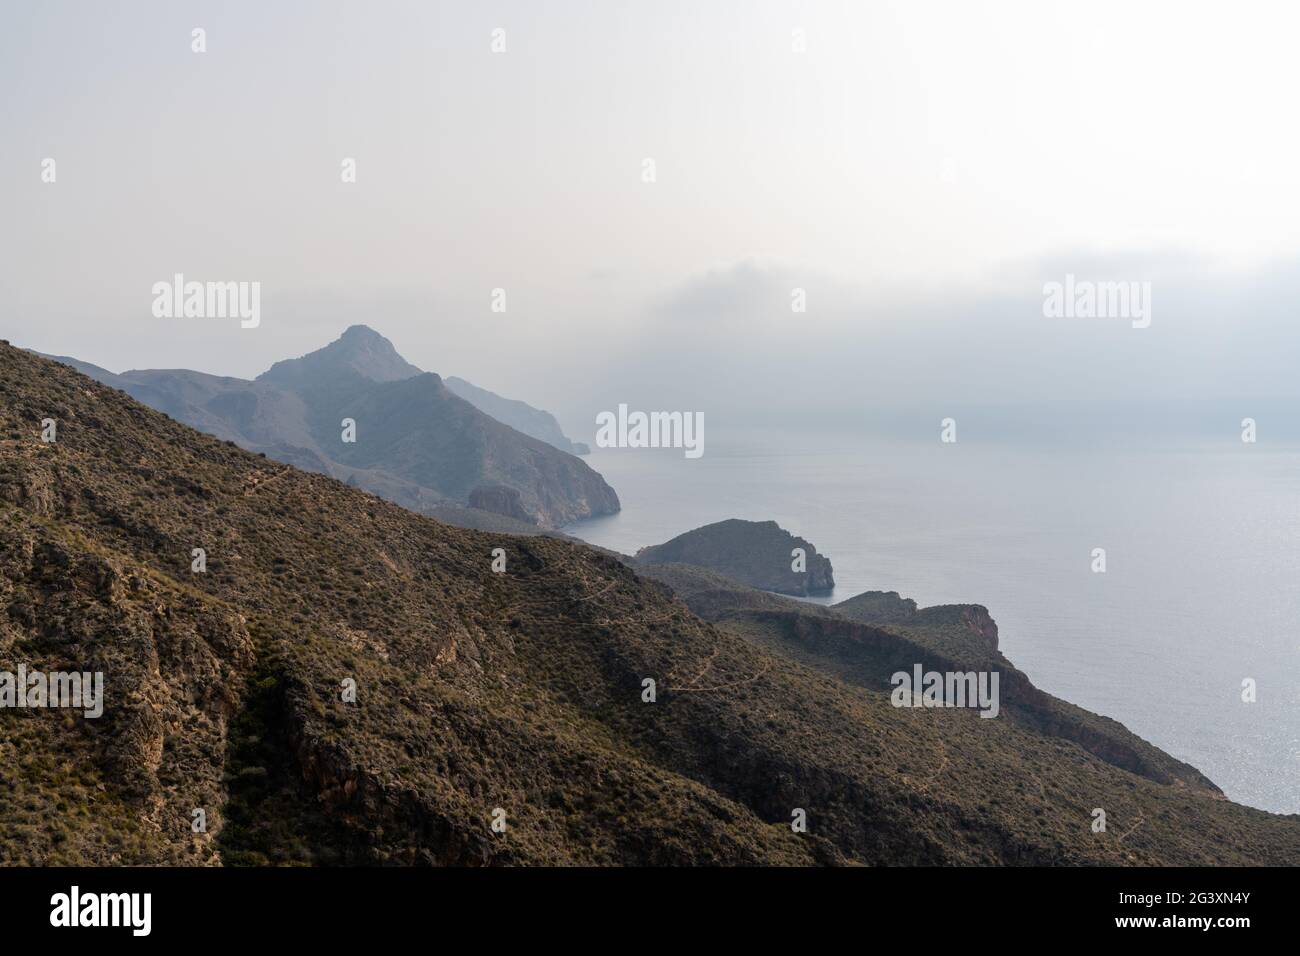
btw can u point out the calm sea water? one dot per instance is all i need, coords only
(1201, 588)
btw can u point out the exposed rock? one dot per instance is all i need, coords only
(886, 607)
(499, 499)
(172, 666)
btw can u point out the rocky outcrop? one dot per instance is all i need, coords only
(500, 500)
(758, 553)
(887, 607)
(172, 666)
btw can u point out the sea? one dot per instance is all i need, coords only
(1198, 603)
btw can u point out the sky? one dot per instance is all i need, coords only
(918, 169)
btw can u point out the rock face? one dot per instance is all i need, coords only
(757, 553)
(478, 688)
(417, 443)
(518, 415)
(886, 607)
(174, 665)
(499, 500)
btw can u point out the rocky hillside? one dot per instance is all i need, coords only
(349, 682)
(758, 553)
(416, 442)
(867, 639)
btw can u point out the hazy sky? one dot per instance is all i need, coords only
(921, 170)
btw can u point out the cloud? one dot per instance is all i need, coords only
(726, 340)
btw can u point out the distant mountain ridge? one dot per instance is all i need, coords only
(416, 442)
(363, 351)
(518, 415)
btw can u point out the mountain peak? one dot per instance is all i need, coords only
(360, 349)
(362, 333)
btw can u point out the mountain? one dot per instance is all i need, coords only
(365, 352)
(417, 443)
(519, 416)
(360, 350)
(350, 682)
(758, 553)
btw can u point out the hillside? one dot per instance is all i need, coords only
(476, 691)
(865, 640)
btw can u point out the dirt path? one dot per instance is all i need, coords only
(259, 484)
